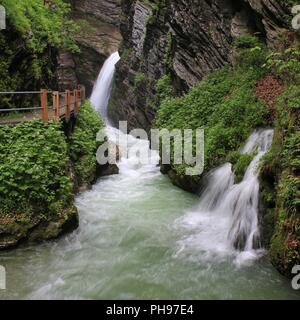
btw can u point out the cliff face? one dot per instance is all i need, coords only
(188, 39)
(105, 10)
(98, 37)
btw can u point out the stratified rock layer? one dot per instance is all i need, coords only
(98, 37)
(188, 39)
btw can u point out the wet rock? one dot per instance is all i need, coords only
(24, 228)
(105, 10)
(187, 183)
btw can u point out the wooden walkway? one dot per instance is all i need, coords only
(53, 106)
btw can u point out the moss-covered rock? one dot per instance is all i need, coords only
(64, 222)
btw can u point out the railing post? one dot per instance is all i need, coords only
(82, 89)
(44, 105)
(55, 99)
(68, 104)
(76, 107)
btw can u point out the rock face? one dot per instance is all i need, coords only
(188, 39)
(98, 37)
(105, 10)
(16, 229)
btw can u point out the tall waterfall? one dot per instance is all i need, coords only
(226, 220)
(132, 164)
(102, 89)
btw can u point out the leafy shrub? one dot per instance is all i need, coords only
(283, 165)
(29, 45)
(33, 167)
(246, 42)
(83, 144)
(42, 25)
(286, 64)
(164, 88)
(224, 105)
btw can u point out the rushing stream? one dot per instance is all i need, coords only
(141, 237)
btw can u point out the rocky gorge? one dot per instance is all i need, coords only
(172, 45)
(138, 229)
(98, 37)
(186, 39)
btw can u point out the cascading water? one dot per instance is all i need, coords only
(100, 99)
(131, 226)
(102, 89)
(227, 217)
(242, 199)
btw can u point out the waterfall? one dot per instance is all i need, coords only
(242, 199)
(226, 220)
(103, 86)
(143, 159)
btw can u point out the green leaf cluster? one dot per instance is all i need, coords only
(83, 145)
(224, 105)
(33, 169)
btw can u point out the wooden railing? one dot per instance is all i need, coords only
(54, 105)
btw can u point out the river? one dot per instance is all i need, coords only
(140, 237)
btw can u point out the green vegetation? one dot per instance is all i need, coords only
(40, 171)
(164, 88)
(289, 3)
(33, 169)
(83, 144)
(168, 50)
(229, 105)
(240, 163)
(42, 24)
(224, 105)
(246, 42)
(281, 183)
(140, 79)
(29, 44)
(286, 64)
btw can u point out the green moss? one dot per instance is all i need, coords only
(240, 163)
(168, 51)
(83, 144)
(139, 79)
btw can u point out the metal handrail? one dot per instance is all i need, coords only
(20, 92)
(20, 109)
